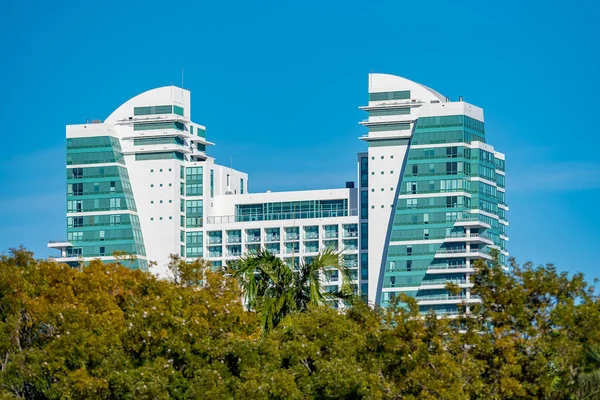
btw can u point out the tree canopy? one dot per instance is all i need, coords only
(105, 331)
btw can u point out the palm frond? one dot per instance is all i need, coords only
(589, 384)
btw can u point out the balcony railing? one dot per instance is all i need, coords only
(444, 282)
(350, 234)
(458, 266)
(441, 297)
(234, 239)
(272, 238)
(281, 216)
(253, 239)
(330, 235)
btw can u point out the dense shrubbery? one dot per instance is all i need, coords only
(109, 332)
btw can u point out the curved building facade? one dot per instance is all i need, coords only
(432, 195)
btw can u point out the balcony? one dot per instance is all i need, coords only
(441, 283)
(350, 245)
(474, 222)
(234, 240)
(292, 250)
(330, 235)
(292, 236)
(311, 235)
(460, 253)
(351, 234)
(273, 249)
(473, 237)
(215, 240)
(445, 269)
(253, 239)
(282, 216)
(272, 238)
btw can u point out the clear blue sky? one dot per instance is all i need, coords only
(278, 85)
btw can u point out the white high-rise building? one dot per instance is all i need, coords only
(430, 197)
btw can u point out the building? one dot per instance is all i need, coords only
(430, 196)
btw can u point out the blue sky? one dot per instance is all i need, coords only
(278, 85)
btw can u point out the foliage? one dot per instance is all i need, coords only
(276, 289)
(109, 332)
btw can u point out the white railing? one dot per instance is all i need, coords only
(458, 266)
(281, 216)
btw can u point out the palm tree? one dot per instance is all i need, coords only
(276, 289)
(589, 381)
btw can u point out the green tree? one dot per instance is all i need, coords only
(275, 289)
(529, 332)
(105, 331)
(588, 381)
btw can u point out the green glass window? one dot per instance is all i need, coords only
(403, 126)
(159, 156)
(151, 110)
(381, 96)
(145, 126)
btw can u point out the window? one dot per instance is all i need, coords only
(451, 168)
(152, 185)
(409, 250)
(382, 96)
(382, 157)
(409, 265)
(415, 170)
(227, 180)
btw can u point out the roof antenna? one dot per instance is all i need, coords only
(182, 78)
